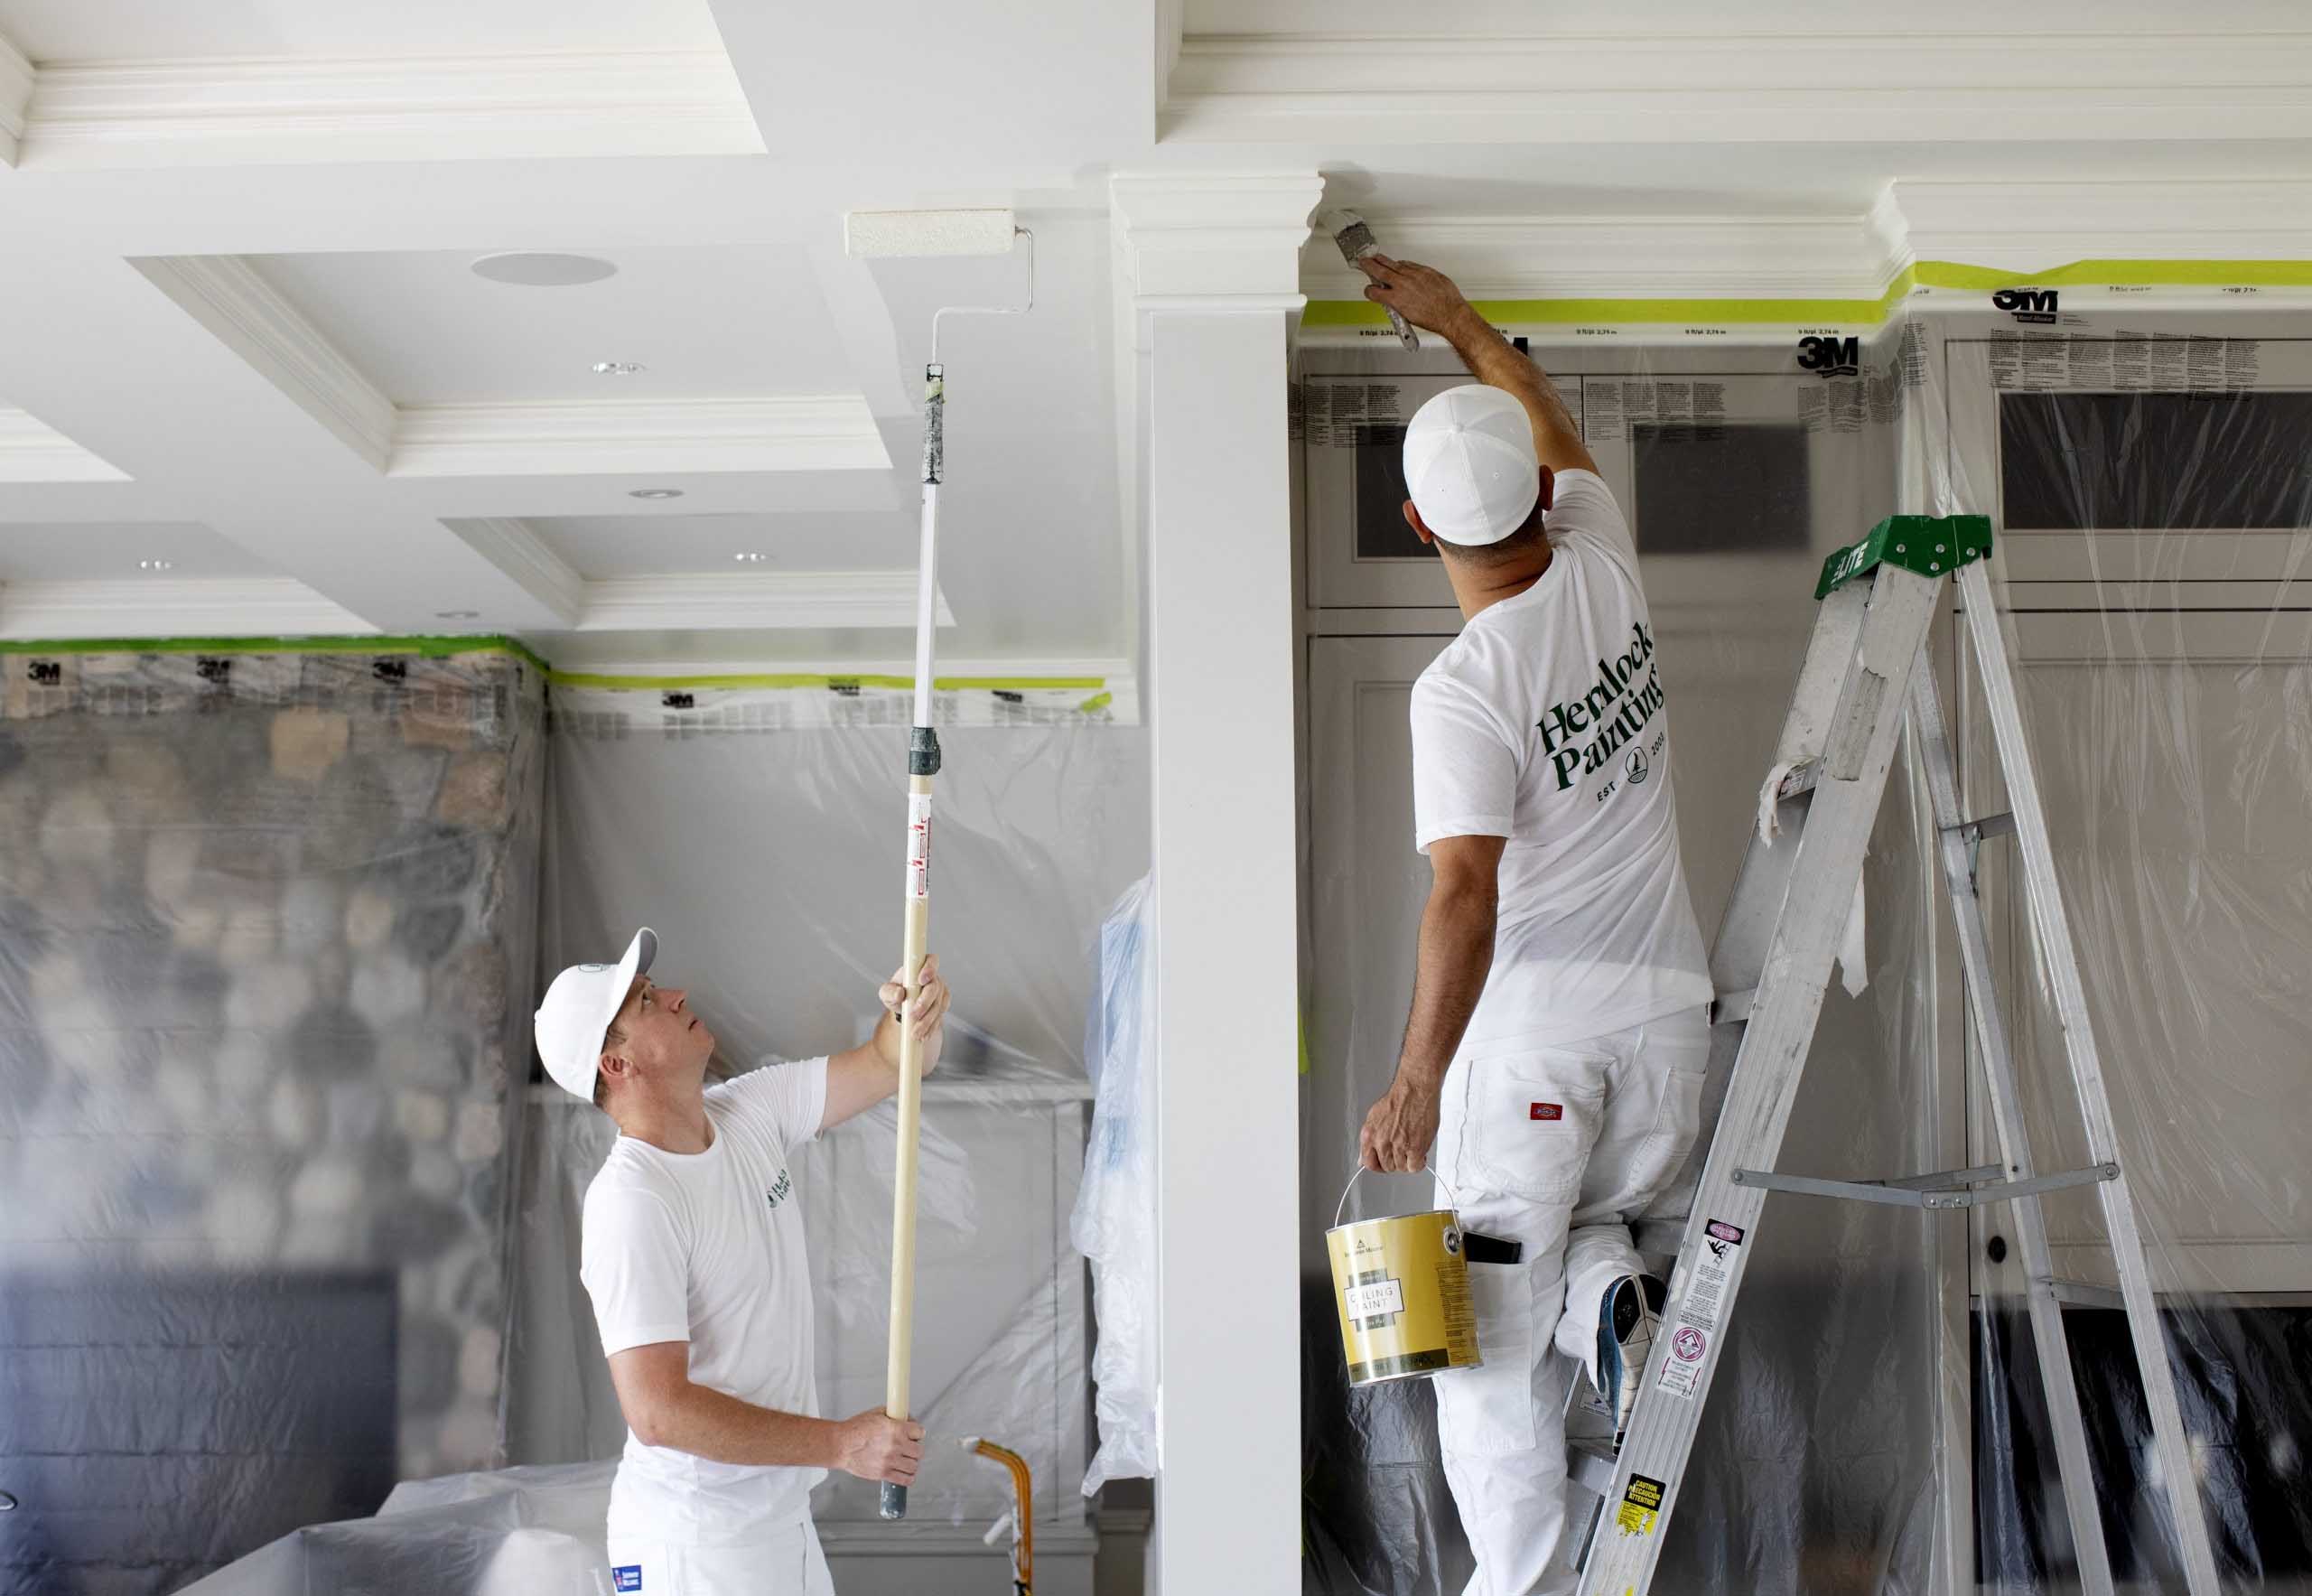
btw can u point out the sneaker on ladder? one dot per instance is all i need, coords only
(1626, 1320)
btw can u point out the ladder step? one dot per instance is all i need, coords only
(1984, 827)
(1590, 1462)
(1733, 1007)
(1798, 780)
(1946, 1191)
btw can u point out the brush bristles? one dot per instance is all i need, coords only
(875, 235)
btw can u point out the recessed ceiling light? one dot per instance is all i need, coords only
(156, 564)
(531, 268)
(749, 559)
(617, 368)
(654, 493)
(457, 614)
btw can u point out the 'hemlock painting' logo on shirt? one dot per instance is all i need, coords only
(1615, 710)
(779, 1189)
(627, 1576)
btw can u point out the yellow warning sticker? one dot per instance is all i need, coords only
(1641, 1507)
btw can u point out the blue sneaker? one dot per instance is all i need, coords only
(1626, 1320)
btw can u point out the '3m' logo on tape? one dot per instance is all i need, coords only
(1546, 1111)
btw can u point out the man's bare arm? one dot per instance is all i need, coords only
(1429, 299)
(663, 1407)
(1455, 957)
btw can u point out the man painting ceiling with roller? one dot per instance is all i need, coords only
(1559, 1032)
(693, 1255)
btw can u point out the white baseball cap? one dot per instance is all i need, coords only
(1471, 466)
(578, 1008)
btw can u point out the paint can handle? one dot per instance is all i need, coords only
(1341, 1208)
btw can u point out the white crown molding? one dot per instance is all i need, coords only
(1191, 240)
(512, 546)
(795, 433)
(229, 111)
(2025, 225)
(767, 600)
(1619, 256)
(17, 76)
(195, 606)
(30, 451)
(226, 295)
(1759, 86)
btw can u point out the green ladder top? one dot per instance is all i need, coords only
(1930, 545)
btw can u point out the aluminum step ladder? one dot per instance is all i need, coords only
(1865, 667)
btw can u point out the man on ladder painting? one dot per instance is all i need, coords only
(1559, 1026)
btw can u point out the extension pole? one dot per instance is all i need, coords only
(922, 765)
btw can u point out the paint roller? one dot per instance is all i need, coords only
(884, 235)
(1354, 237)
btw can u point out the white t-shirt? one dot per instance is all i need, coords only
(708, 1248)
(1544, 722)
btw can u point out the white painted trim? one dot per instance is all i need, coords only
(808, 432)
(1613, 257)
(193, 607)
(2020, 225)
(509, 544)
(1199, 241)
(232, 110)
(814, 599)
(30, 451)
(1759, 86)
(226, 295)
(17, 76)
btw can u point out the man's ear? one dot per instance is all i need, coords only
(1548, 500)
(1412, 519)
(616, 1065)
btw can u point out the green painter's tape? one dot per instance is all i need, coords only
(429, 648)
(568, 678)
(443, 648)
(1924, 274)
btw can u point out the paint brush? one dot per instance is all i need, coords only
(1354, 237)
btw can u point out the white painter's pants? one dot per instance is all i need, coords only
(789, 1564)
(1557, 1147)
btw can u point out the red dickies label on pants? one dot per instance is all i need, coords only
(1546, 1111)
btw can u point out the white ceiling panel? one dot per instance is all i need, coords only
(148, 30)
(703, 324)
(602, 547)
(77, 552)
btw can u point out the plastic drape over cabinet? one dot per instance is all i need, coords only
(1114, 1224)
(769, 863)
(1875, 1424)
(266, 948)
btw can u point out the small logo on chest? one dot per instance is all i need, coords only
(780, 1189)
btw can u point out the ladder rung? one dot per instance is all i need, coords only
(1733, 1007)
(1984, 827)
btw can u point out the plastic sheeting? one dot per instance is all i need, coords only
(1115, 1223)
(266, 928)
(1875, 1424)
(769, 861)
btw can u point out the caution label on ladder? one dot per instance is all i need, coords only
(1641, 1507)
(1713, 1268)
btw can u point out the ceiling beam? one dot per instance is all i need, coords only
(1787, 86)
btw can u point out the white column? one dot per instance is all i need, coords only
(1209, 266)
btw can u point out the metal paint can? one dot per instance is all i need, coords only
(1402, 1286)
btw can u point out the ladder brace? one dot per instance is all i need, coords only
(1948, 1189)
